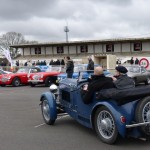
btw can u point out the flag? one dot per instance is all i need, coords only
(6, 53)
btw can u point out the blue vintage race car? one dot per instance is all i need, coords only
(127, 112)
(84, 74)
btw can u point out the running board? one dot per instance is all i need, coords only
(137, 124)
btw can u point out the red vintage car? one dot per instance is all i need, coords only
(46, 78)
(1, 73)
(18, 78)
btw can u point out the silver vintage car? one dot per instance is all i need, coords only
(138, 73)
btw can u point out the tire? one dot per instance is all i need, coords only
(31, 84)
(48, 81)
(105, 126)
(3, 85)
(16, 82)
(142, 114)
(135, 81)
(147, 81)
(46, 112)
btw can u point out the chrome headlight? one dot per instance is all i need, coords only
(9, 77)
(53, 88)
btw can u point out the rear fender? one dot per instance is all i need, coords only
(115, 110)
(52, 104)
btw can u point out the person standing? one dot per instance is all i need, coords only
(136, 61)
(69, 67)
(90, 65)
(131, 61)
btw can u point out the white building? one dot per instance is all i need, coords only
(127, 47)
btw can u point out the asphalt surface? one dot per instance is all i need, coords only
(22, 126)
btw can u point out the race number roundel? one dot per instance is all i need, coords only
(144, 62)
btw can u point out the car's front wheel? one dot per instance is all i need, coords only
(105, 126)
(46, 112)
(48, 81)
(16, 82)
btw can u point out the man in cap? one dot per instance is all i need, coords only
(121, 79)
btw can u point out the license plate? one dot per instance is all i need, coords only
(4, 80)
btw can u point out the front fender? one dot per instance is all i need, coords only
(117, 113)
(52, 104)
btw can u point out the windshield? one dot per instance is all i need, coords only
(79, 68)
(51, 69)
(23, 70)
(133, 69)
(2, 72)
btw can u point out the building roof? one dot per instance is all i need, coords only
(117, 40)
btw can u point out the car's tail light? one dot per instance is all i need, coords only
(123, 119)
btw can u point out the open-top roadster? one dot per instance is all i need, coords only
(110, 115)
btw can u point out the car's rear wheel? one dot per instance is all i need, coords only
(105, 126)
(3, 85)
(46, 112)
(142, 114)
(16, 82)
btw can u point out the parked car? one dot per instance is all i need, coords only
(18, 78)
(46, 78)
(84, 74)
(3, 72)
(138, 73)
(124, 114)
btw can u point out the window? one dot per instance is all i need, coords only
(133, 69)
(83, 49)
(109, 47)
(38, 50)
(60, 49)
(138, 46)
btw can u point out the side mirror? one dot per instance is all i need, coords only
(143, 71)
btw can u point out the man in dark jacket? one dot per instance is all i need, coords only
(90, 64)
(122, 80)
(97, 82)
(69, 67)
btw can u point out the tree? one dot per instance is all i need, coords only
(13, 38)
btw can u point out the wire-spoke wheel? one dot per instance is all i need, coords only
(105, 125)
(142, 114)
(46, 112)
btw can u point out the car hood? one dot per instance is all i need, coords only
(13, 74)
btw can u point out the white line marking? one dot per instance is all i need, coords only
(62, 117)
(39, 125)
(45, 123)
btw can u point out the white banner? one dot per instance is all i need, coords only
(6, 53)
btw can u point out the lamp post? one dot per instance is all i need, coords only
(66, 29)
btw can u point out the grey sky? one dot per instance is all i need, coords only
(44, 20)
